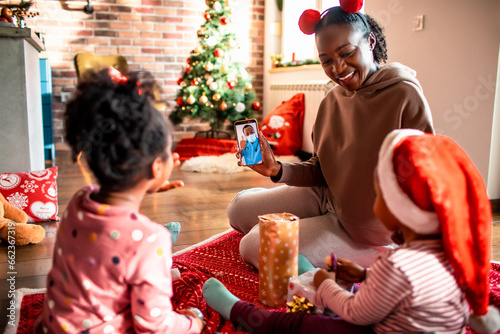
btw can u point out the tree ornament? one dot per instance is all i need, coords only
(213, 86)
(203, 99)
(309, 20)
(223, 106)
(194, 82)
(224, 69)
(223, 20)
(201, 32)
(209, 66)
(219, 53)
(256, 106)
(190, 99)
(216, 97)
(217, 6)
(198, 49)
(231, 84)
(211, 41)
(240, 107)
(183, 84)
(351, 6)
(207, 16)
(244, 74)
(188, 69)
(248, 86)
(180, 101)
(179, 81)
(210, 79)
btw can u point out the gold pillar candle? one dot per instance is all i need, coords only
(278, 256)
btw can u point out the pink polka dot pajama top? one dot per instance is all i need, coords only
(111, 273)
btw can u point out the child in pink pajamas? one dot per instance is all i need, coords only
(112, 265)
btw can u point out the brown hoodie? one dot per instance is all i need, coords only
(348, 132)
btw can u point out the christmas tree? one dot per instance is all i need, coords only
(213, 86)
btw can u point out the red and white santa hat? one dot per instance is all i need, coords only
(430, 184)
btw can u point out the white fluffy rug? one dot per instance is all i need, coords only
(222, 164)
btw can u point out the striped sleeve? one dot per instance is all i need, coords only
(384, 288)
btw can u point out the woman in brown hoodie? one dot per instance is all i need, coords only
(332, 193)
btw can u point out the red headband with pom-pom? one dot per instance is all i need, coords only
(310, 17)
(351, 6)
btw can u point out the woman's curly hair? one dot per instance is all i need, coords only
(362, 22)
(118, 130)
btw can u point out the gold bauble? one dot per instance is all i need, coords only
(216, 97)
(224, 68)
(248, 86)
(190, 99)
(203, 99)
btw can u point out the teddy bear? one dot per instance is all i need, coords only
(14, 228)
(6, 15)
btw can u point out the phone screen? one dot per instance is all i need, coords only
(247, 136)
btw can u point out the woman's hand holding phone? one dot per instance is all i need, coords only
(269, 165)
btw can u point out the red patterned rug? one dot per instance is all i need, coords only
(216, 257)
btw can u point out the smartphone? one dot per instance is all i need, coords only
(247, 136)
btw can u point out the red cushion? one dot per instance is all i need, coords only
(194, 147)
(33, 192)
(283, 126)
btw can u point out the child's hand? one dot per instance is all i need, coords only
(350, 271)
(196, 318)
(169, 185)
(177, 159)
(322, 275)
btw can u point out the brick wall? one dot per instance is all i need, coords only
(154, 35)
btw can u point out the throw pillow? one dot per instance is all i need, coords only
(33, 192)
(283, 126)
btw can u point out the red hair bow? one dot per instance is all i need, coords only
(310, 17)
(116, 76)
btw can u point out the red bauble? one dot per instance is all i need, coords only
(194, 82)
(223, 20)
(219, 53)
(188, 60)
(351, 6)
(180, 101)
(256, 106)
(231, 84)
(179, 81)
(207, 16)
(309, 20)
(188, 69)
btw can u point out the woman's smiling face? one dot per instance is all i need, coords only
(346, 55)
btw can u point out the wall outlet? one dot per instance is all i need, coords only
(418, 23)
(65, 96)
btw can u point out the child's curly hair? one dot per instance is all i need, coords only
(362, 22)
(117, 129)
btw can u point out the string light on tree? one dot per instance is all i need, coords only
(214, 87)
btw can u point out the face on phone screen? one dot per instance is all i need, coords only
(248, 140)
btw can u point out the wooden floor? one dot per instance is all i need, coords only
(200, 207)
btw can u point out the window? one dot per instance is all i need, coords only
(293, 40)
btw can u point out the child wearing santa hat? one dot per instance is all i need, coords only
(432, 197)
